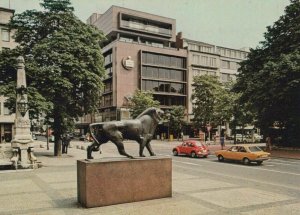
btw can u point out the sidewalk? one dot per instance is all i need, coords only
(52, 189)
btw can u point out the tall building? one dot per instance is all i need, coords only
(6, 42)
(208, 59)
(140, 53)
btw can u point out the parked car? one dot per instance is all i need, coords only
(243, 138)
(243, 153)
(248, 138)
(191, 148)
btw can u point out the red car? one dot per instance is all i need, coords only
(192, 148)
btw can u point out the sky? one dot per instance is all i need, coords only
(228, 23)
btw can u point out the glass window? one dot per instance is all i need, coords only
(6, 111)
(225, 64)
(225, 77)
(154, 72)
(144, 57)
(5, 35)
(173, 74)
(144, 71)
(143, 87)
(108, 59)
(195, 59)
(178, 75)
(155, 85)
(204, 60)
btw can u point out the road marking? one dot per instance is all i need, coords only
(288, 164)
(284, 161)
(256, 168)
(237, 177)
(187, 163)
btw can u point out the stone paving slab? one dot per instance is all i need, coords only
(240, 197)
(195, 184)
(288, 209)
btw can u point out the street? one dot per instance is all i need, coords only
(200, 186)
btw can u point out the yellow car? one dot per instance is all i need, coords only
(244, 153)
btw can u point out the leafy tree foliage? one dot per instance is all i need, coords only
(269, 79)
(176, 119)
(140, 101)
(213, 103)
(64, 64)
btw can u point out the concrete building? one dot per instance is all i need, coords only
(6, 42)
(208, 59)
(140, 54)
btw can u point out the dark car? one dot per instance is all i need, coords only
(191, 148)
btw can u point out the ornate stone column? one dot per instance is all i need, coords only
(22, 143)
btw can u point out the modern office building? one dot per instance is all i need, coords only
(140, 53)
(208, 59)
(6, 42)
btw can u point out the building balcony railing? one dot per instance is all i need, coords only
(146, 28)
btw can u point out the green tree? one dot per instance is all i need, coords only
(140, 101)
(176, 120)
(212, 102)
(269, 79)
(64, 64)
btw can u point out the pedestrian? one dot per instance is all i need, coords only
(268, 143)
(65, 143)
(222, 141)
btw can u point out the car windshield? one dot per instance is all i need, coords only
(255, 149)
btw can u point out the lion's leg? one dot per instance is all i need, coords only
(121, 149)
(93, 147)
(142, 146)
(148, 146)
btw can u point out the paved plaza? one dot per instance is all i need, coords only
(52, 189)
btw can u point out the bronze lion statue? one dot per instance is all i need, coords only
(140, 129)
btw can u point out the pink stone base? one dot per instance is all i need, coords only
(110, 181)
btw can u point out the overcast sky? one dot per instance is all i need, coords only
(229, 23)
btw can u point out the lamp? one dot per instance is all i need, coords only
(22, 106)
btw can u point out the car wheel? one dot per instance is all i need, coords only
(220, 158)
(193, 154)
(246, 161)
(205, 156)
(259, 162)
(175, 153)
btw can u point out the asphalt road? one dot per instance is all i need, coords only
(271, 188)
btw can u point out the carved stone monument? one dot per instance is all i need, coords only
(22, 143)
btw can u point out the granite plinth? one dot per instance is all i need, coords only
(110, 181)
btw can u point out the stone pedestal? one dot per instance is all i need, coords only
(109, 181)
(5, 154)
